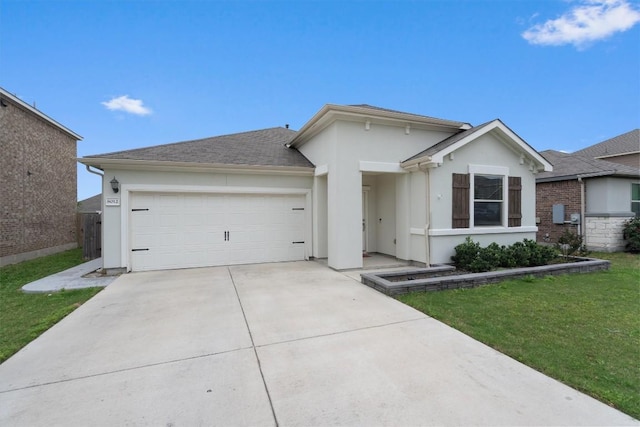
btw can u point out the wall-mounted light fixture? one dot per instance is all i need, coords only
(115, 185)
(2, 103)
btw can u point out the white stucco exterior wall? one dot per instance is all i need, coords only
(179, 182)
(488, 151)
(609, 195)
(348, 150)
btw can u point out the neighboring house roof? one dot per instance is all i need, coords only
(435, 154)
(627, 143)
(90, 205)
(330, 112)
(9, 96)
(266, 147)
(569, 166)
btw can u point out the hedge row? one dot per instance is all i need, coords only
(472, 257)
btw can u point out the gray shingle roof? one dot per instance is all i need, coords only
(448, 141)
(92, 204)
(626, 143)
(264, 147)
(570, 165)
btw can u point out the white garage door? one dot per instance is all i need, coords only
(176, 230)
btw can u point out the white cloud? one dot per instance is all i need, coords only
(128, 105)
(590, 21)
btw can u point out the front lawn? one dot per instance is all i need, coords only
(582, 329)
(23, 317)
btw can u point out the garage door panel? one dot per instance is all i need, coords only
(196, 230)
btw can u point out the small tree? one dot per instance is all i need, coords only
(631, 233)
(569, 243)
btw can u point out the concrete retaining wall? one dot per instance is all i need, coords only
(381, 283)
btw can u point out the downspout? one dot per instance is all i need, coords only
(101, 175)
(582, 211)
(427, 206)
(94, 172)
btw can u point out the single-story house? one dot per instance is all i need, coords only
(353, 179)
(591, 196)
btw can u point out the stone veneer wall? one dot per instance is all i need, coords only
(604, 232)
(38, 195)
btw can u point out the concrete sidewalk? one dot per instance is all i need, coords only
(71, 279)
(289, 344)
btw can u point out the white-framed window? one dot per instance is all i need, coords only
(635, 199)
(488, 196)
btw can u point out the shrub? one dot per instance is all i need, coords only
(569, 243)
(472, 257)
(631, 233)
(469, 256)
(539, 254)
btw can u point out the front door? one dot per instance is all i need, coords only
(365, 216)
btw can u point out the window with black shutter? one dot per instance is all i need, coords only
(515, 201)
(460, 208)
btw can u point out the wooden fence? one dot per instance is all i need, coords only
(90, 235)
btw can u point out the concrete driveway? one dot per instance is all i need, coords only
(290, 344)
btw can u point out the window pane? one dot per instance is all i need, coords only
(635, 207)
(487, 213)
(635, 192)
(487, 187)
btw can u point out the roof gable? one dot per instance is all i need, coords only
(266, 147)
(363, 112)
(435, 154)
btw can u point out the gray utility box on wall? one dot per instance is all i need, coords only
(575, 218)
(558, 214)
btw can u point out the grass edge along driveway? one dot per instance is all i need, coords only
(581, 329)
(24, 317)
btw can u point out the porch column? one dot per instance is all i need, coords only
(344, 196)
(403, 207)
(320, 216)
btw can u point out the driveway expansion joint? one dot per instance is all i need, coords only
(364, 328)
(116, 371)
(255, 352)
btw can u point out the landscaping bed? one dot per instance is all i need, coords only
(444, 277)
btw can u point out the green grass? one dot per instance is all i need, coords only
(23, 317)
(581, 329)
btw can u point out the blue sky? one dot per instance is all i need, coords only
(126, 74)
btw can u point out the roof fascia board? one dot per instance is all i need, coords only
(39, 113)
(522, 146)
(331, 112)
(608, 156)
(101, 163)
(580, 176)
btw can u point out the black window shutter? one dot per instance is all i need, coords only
(515, 201)
(460, 206)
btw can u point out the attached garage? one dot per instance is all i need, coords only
(183, 230)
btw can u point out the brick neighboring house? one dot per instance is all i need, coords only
(602, 193)
(39, 182)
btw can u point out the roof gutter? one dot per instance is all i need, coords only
(101, 163)
(581, 176)
(94, 172)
